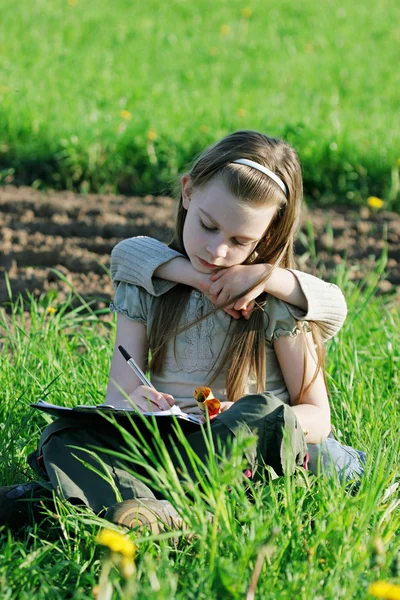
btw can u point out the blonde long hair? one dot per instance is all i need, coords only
(245, 353)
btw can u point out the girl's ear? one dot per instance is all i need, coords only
(186, 191)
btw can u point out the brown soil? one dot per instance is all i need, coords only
(74, 234)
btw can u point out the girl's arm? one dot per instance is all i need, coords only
(132, 336)
(152, 265)
(324, 302)
(313, 413)
(136, 259)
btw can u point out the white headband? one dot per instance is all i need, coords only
(255, 165)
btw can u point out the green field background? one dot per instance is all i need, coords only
(323, 75)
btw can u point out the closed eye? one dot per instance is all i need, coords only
(204, 226)
(213, 229)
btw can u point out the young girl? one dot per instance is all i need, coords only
(236, 221)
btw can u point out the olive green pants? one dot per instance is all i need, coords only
(79, 475)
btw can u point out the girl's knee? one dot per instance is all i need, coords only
(265, 401)
(252, 409)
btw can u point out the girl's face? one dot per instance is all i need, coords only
(220, 230)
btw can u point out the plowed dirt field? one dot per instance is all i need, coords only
(74, 234)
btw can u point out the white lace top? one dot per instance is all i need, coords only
(198, 347)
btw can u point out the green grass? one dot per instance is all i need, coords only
(324, 75)
(315, 539)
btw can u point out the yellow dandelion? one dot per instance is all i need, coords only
(151, 135)
(374, 202)
(214, 51)
(225, 30)
(117, 542)
(72, 2)
(51, 310)
(398, 162)
(241, 112)
(125, 114)
(246, 13)
(203, 128)
(385, 590)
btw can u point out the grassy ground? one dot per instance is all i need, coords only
(122, 96)
(314, 539)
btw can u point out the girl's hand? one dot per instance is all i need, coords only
(147, 399)
(228, 283)
(203, 283)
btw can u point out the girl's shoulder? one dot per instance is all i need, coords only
(134, 256)
(132, 301)
(280, 318)
(124, 262)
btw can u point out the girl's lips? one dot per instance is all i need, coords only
(206, 264)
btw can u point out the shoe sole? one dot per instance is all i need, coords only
(144, 513)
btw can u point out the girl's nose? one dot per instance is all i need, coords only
(218, 251)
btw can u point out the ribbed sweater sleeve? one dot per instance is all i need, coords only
(326, 303)
(134, 261)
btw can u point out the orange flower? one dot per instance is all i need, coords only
(206, 401)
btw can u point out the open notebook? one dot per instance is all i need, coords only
(81, 410)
